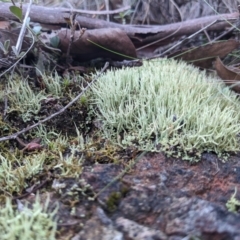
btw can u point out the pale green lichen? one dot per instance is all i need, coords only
(26, 99)
(57, 86)
(53, 84)
(15, 172)
(70, 165)
(27, 223)
(233, 204)
(170, 106)
(23, 100)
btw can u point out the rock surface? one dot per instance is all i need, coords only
(160, 198)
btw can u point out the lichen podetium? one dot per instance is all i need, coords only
(168, 106)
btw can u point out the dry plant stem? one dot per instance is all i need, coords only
(222, 35)
(73, 25)
(237, 25)
(23, 144)
(179, 11)
(5, 103)
(146, 10)
(207, 35)
(184, 40)
(107, 8)
(107, 12)
(135, 11)
(68, 224)
(15, 135)
(159, 40)
(33, 190)
(23, 29)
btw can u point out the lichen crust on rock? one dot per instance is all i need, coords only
(170, 106)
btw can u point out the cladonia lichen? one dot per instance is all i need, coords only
(14, 172)
(24, 100)
(233, 204)
(170, 106)
(27, 223)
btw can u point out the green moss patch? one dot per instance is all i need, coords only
(170, 106)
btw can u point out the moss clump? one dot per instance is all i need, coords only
(113, 201)
(170, 106)
(26, 223)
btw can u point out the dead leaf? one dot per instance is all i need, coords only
(31, 146)
(114, 39)
(204, 56)
(230, 77)
(4, 24)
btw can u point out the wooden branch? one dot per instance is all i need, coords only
(142, 34)
(116, 11)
